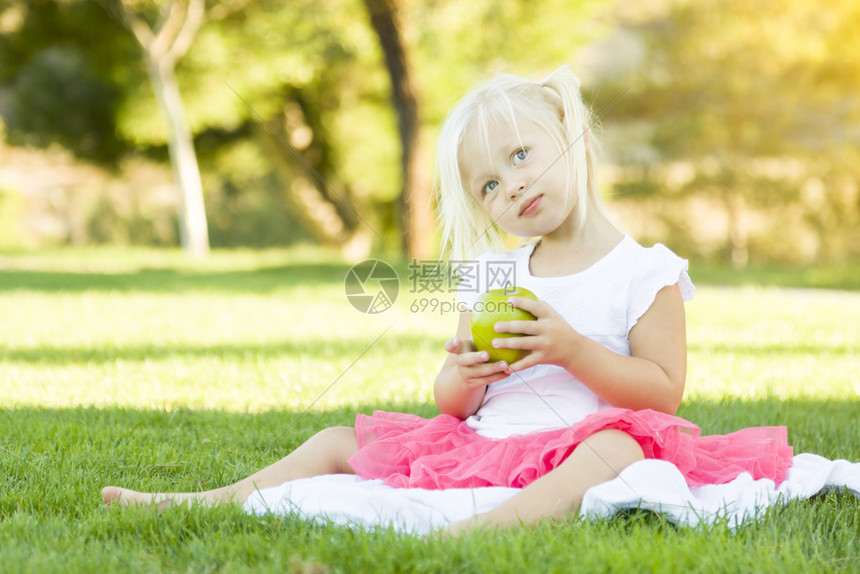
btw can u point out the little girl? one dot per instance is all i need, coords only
(606, 362)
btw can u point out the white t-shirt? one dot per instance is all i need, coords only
(603, 302)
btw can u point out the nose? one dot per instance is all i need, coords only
(516, 189)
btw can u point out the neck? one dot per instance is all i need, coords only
(596, 233)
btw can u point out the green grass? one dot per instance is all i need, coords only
(136, 367)
(844, 276)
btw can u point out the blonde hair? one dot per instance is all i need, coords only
(555, 104)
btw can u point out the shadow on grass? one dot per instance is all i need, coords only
(215, 446)
(54, 462)
(307, 347)
(827, 427)
(52, 457)
(315, 348)
(264, 279)
(164, 280)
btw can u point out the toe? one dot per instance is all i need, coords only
(111, 494)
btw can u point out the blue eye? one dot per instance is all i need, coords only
(490, 186)
(520, 156)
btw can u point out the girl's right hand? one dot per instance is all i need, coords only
(472, 364)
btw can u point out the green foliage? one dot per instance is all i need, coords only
(321, 59)
(744, 112)
(457, 44)
(61, 83)
(59, 98)
(736, 142)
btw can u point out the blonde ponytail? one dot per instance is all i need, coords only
(577, 122)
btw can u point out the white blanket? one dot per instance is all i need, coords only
(650, 484)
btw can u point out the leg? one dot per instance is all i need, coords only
(324, 453)
(598, 459)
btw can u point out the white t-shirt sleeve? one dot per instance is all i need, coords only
(658, 267)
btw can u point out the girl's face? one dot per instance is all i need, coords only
(522, 182)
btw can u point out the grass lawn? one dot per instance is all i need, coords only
(138, 368)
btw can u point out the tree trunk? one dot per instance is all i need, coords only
(163, 46)
(193, 229)
(415, 201)
(737, 244)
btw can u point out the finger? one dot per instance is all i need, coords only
(486, 369)
(528, 343)
(468, 345)
(523, 327)
(458, 346)
(479, 382)
(472, 358)
(453, 345)
(529, 360)
(491, 377)
(536, 308)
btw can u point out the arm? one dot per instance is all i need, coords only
(462, 381)
(653, 377)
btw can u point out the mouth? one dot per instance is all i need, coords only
(530, 206)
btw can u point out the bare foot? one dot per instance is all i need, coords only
(125, 497)
(460, 527)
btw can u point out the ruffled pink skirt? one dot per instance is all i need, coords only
(443, 452)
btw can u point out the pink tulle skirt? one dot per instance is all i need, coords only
(443, 452)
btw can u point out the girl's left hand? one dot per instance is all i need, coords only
(550, 338)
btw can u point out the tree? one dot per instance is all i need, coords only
(163, 44)
(323, 76)
(47, 70)
(744, 109)
(415, 202)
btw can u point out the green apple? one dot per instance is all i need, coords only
(491, 307)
